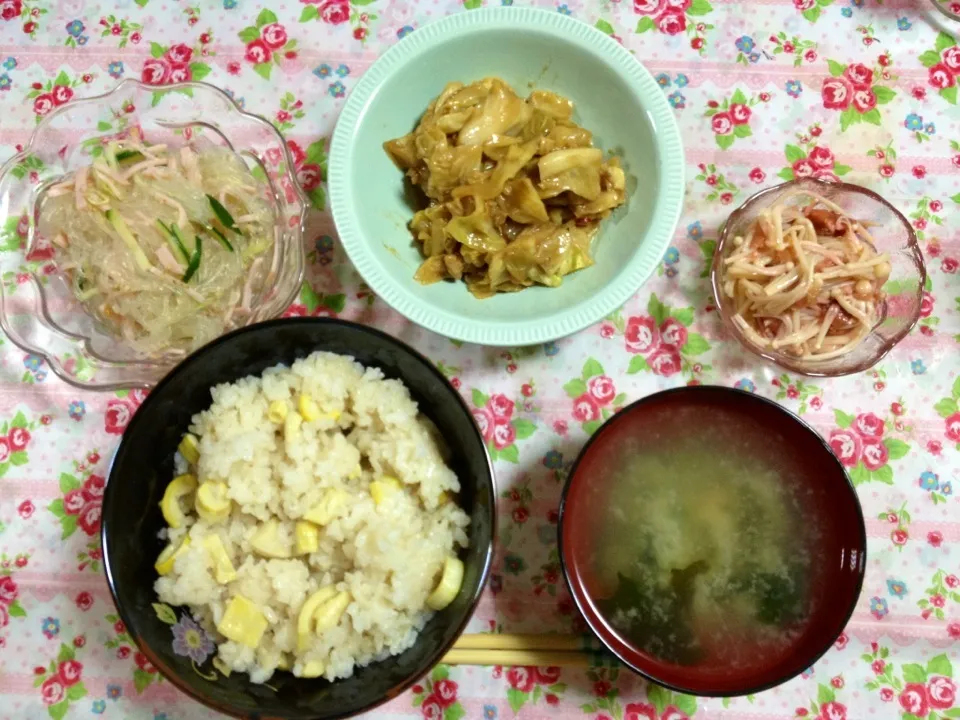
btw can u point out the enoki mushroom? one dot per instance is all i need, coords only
(805, 279)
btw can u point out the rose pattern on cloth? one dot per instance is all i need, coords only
(595, 397)
(436, 696)
(60, 683)
(855, 91)
(943, 64)
(860, 445)
(860, 92)
(730, 117)
(809, 159)
(921, 690)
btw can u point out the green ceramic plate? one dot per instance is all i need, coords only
(615, 98)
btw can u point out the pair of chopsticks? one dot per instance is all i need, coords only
(531, 650)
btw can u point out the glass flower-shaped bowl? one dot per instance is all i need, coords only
(893, 234)
(38, 310)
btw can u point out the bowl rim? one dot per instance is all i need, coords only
(779, 359)
(198, 356)
(939, 5)
(83, 341)
(579, 594)
(667, 145)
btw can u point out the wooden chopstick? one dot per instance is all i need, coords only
(529, 650)
(504, 641)
(539, 658)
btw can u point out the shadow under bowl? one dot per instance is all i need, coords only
(143, 466)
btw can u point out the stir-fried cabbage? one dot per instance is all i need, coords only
(165, 247)
(516, 191)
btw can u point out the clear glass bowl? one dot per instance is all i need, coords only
(893, 234)
(38, 311)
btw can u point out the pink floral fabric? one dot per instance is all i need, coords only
(766, 91)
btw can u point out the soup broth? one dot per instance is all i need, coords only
(703, 555)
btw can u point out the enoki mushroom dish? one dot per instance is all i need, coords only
(805, 279)
(165, 247)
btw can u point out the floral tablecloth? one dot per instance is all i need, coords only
(763, 90)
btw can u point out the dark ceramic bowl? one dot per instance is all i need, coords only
(830, 519)
(143, 465)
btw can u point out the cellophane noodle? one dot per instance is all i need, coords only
(144, 293)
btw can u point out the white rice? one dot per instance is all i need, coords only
(388, 557)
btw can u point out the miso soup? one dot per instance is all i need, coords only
(705, 555)
(714, 535)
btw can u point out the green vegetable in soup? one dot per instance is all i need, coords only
(665, 633)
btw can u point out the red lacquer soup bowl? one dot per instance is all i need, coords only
(657, 480)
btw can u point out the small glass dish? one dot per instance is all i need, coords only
(893, 234)
(38, 310)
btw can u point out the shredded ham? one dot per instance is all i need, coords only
(104, 171)
(143, 165)
(80, 188)
(152, 150)
(182, 219)
(60, 188)
(127, 329)
(168, 261)
(190, 165)
(275, 261)
(231, 306)
(143, 219)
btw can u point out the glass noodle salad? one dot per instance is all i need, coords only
(516, 191)
(806, 279)
(165, 247)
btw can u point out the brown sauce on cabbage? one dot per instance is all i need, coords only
(515, 189)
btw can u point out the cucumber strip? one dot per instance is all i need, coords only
(223, 215)
(85, 295)
(194, 261)
(128, 155)
(81, 290)
(100, 179)
(179, 251)
(175, 229)
(128, 237)
(110, 154)
(221, 238)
